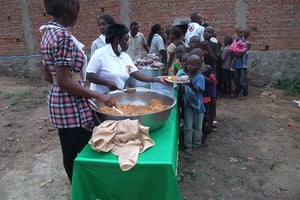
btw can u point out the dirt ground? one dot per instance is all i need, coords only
(254, 154)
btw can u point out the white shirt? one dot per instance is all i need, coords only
(96, 44)
(194, 29)
(108, 66)
(135, 45)
(157, 44)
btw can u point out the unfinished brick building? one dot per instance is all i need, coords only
(274, 24)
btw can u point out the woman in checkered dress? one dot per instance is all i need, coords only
(64, 66)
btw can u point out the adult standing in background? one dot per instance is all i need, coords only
(64, 62)
(156, 43)
(194, 28)
(103, 22)
(136, 41)
(203, 23)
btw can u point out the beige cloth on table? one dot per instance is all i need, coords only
(125, 138)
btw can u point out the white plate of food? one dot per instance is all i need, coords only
(175, 79)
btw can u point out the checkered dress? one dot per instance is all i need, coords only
(58, 50)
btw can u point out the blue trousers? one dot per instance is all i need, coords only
(192, 127)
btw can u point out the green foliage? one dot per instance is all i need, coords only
(24, 94)
(7, 95)
(219, 196)
(25, 98)
(274, 164)
(261, 182)
(13, 102)
(290, 86)
(45, 91)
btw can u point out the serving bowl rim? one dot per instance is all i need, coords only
(174, 101)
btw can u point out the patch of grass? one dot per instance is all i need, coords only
(45, 91)
(7, 95)
(261, 182)
(26, 98)
(191, 174)
(219, 196)
(180, 177)
(24, 94)
(13, 103)
(42, 98)
(289, 86)
(274, 165)
(20, 96)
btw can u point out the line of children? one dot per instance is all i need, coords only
(209, 51)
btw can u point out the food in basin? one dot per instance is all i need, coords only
(155, 105)
(142, 97)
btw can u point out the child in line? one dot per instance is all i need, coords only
(193, 104)
(244, 70)
(248, 45)
(183, 64)
(180, 50)
(179, 88)
(239, 63)
(237, 48)
(194, 43)
(218, 61)
(210, 80)
(211, 52)
(226, 73)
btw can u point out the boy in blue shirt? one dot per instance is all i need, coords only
(192, 95)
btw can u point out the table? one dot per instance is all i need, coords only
(97, 175)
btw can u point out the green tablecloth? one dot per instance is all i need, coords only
(97, 175)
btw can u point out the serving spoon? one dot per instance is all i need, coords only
(114, 107)
(118, 110)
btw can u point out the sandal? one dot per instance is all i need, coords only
(215, 123)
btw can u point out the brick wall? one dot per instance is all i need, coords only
(274, 23)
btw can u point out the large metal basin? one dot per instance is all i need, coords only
(142, 96)
(152, 72)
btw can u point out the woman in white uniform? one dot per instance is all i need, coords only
(110, 66)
